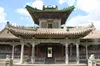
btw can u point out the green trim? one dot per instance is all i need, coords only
(31, 8)
(49, 9)
(69, 8)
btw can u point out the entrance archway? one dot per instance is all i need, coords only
(50, 52)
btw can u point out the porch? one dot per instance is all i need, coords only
(58, 53)
(49, 53)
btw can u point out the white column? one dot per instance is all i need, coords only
(66, 53)
(13, 52)
(86, 52)
(22, 52)
(33, 53)
(77, 53)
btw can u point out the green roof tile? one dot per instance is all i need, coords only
(49, 8)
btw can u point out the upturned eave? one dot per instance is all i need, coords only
(35, 13)
(29, 33)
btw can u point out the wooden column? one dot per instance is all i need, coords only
(37, 51)
(62, 51)
(70, 50)
(77, 53)
(33, 53)
(22, 52)
(13, 52)
(28, 51)
(66, 53)
(86, 51)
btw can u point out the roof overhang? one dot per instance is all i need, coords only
(62, 14)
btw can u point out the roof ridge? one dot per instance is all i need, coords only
(20, 27)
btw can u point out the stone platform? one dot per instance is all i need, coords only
(50, 65)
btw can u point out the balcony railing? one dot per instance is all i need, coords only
(40, 60)
(43, 60)
(60, 60)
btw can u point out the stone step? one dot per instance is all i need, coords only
(50, 65)
(2, 60)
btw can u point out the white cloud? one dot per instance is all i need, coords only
(77, 20)
(23, 11)
(25, 15)
(2, 15)
(28, 3)
(2, 18)
(38, 4)
(69, 2)
(88, 6)
(61, 1)
(97, 24)
(91, 7)
(2, 25)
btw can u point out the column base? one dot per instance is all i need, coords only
(20, 62)
(77, 62)
(66, 62)
(32, 61)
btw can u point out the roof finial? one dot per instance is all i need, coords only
(56, 7)
(7, 22)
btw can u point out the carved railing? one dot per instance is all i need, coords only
(39, 60)
(60, 60)
(72, 58)
(2, 56)
(83, 59)
(43, 60)
(16, 56)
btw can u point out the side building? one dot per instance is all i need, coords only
(49, 43)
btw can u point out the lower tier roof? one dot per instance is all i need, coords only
(33, 32)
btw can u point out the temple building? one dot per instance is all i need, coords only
(49, 43)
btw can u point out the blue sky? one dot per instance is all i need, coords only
(86, 11)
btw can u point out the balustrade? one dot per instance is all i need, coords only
(60, 60)
(40, 60)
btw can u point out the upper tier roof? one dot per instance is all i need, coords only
(49, 12)
(27, 32)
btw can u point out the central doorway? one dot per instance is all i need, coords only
(49, 55)
(50, 52)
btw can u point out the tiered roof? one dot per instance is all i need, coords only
(49, 12)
